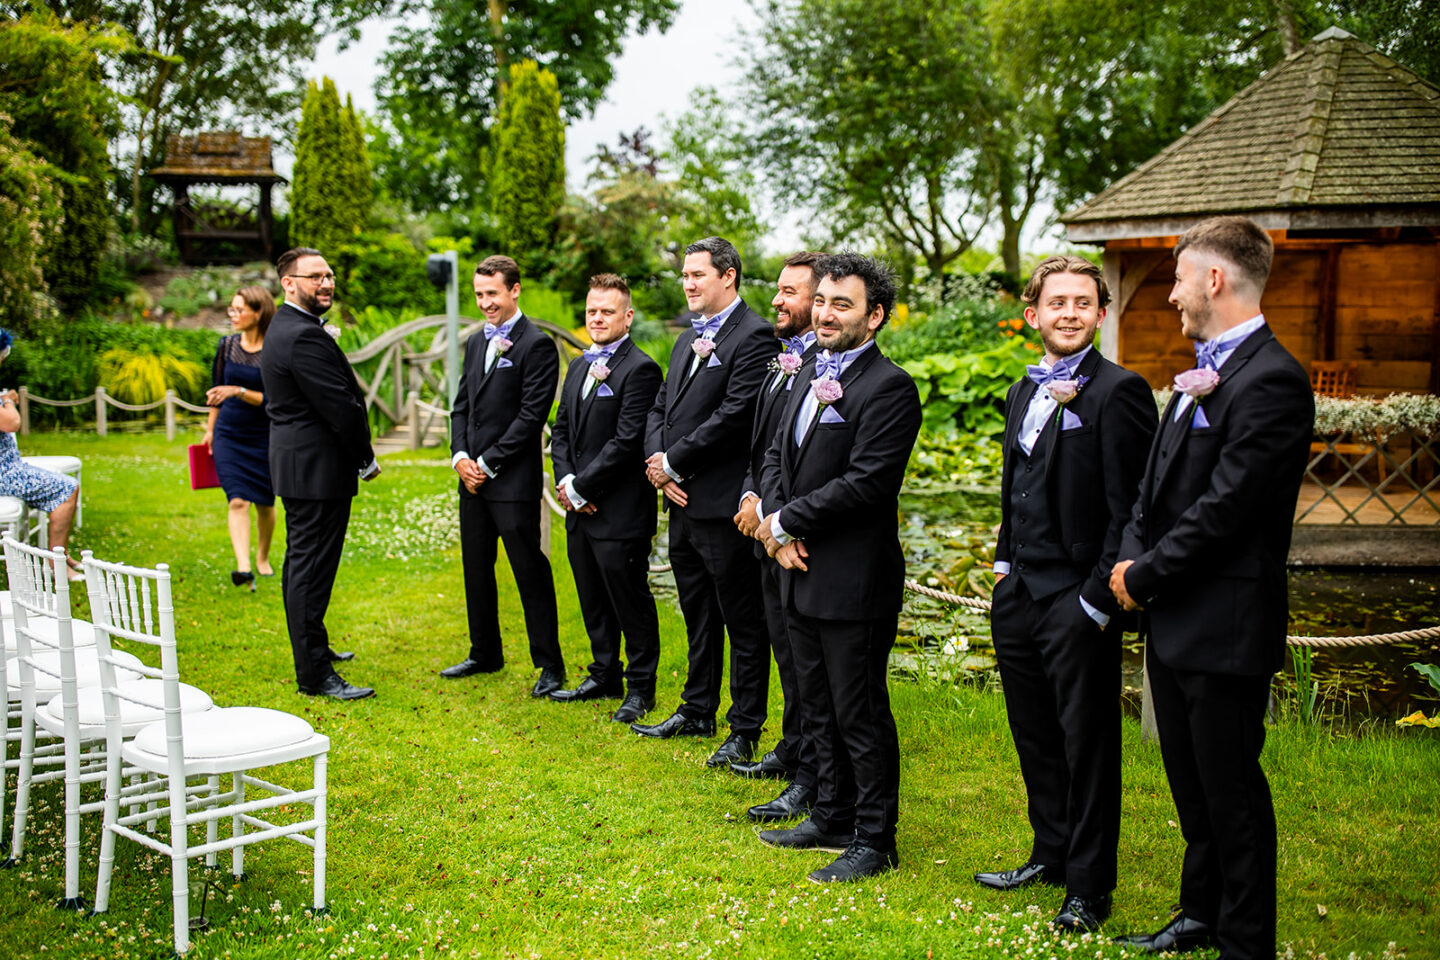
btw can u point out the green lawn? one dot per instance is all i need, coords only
(468, 820)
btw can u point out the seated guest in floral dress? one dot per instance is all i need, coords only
(238, 434)
(54, 493)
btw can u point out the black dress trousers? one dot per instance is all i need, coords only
(314, 541)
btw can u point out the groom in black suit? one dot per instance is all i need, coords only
(1076, 431)
(598, 447)
(507, 385)
(1203, 557)
(698, 436)
(793, 758)
(319, 445)
(830, 485)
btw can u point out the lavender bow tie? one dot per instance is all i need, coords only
(827, 366)
(598, 353)
(705, 329)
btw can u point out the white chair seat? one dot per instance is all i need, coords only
(229, 738)
(87, 671)
(82, 633)
(91, 701)
(55, 464)
(11, 510)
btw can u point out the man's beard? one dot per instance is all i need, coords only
(310, 302)
(794, 324)
(1063, 350)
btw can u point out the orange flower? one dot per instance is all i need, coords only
(1017, 324)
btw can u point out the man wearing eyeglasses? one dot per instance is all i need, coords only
(319, 445)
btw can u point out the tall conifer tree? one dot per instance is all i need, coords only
(332, 191)
(527, 179)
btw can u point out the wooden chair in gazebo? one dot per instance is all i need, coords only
(1336, 378)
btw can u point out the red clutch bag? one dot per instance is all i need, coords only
(202, 468)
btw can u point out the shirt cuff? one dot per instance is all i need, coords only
(484, 467)
(1002, 568)
(1101, 618)
(778, 532)
(462, 455)
(665, 464)
(371, 468)
(567, 483)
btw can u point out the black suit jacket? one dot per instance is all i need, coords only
(1211, 529)
(1092, 475)
(768, 407)
(319, 433)
(500, 415)
(601, 440)
(703, 422)
(839, 491)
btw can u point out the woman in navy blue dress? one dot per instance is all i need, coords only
(238, 434)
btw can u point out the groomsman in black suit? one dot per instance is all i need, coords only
(598, 446)
(830, 485)
(1203, 558)
(1077, 428)
(507, 385)
(698, 437)
(793, 759)
(319, 445)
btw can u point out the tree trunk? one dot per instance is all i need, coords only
(1285, 22)
(1010, 243)
(498, 9)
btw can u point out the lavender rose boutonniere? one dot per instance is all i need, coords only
(1063, 391)
(827, 391)
(787, 363)
(599, 370)
(502, 344)
(703, 347)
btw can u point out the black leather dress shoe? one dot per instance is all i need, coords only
(550, 681)
(857, 862)
(335, 656)
(794, 801)
(636, 705)
(589, 689)
(1021, 876)
(1180, 935)
(335, 686)
(1080, 914)
(807, 836)
(735, 747)
(676, 725)
(467, 668)
(768, 767)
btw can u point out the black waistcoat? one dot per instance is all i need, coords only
(1036, 555)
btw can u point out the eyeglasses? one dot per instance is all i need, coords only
(233, 312)
(317, 277)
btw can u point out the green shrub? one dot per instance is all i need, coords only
(967, 390)
(140, 376)
(963, 325)
(384, 271)
(189, 293)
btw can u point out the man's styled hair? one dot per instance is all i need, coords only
(723, 255)
(507, 268)
(611, 281)
(877, 276)
(1237, 240)
(807, 258)
(259, 300)
(285, 266)
(1063, 263)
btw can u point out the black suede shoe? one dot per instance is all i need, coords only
(467, 668)
(676, 725)
(636, 705)
(335, 686)
(550, 680)
(768, 767)
(735, 747)
(1181, 935)
(1021, 876)
(856, 863)
(1080, 914)
(589, 689)
(794, 801)
(339, 656)
(807, 836)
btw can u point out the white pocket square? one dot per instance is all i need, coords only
(714, 361)
(604, 390)
(1199, 420)
(502, 363)
(1068, 420)
(829, 414)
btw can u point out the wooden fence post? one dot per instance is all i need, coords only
(169, 414)
(100, 411)
(412, 414)
(545, 517)
(24, 405)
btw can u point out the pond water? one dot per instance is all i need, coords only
(949, 542)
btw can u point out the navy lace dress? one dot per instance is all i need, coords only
(241, 443)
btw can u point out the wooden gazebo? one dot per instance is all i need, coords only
(1336, 152)
(220, 233)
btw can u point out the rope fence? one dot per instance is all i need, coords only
(103, 401)
(1363, 640)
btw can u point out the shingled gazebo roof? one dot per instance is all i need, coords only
(225, 157)
(1337, 135)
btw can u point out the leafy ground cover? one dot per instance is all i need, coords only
(468, 820)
